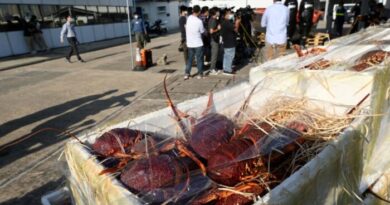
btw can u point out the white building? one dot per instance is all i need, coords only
(96, 19)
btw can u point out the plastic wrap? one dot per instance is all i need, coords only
(166, 160)
(323, 91)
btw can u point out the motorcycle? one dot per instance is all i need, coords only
(158, 28)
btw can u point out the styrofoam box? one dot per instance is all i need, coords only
(334, 91)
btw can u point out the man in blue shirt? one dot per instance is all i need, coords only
(69, 31)
(139, 29)
(275, 19)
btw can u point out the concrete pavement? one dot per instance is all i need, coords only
(78, 97)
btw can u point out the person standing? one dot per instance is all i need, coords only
(292, 6)
(28, 33)
(356, 13)
(204, 16)
(139, 30)
(275, 20)
(306, 12)
(68, 30)
(194, 31)
(182, 26)
(340, 19)
(214, 30)
(37, 34)
(229, 30)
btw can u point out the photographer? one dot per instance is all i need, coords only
(292, 5)
(306, 12)
(214, 29)
(229, 31)
(246, 43)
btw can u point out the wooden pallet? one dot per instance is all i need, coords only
(318, 40)
(261, 38)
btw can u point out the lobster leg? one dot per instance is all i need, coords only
(188, 153)
(210, 103)
(122, 164)
(185, 152)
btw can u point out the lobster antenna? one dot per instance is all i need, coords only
(358, 105)
(246, 102)
(175, 112)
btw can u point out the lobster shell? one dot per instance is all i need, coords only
(211, 131)
(114, 140)
(147, 174)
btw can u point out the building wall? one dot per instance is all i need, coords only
(69, 2)
(12, 41)
(151, 12)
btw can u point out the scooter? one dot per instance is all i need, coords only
(158, 28)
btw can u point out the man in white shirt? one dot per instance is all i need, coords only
(275, 19)
(69, 32)
(194, 31)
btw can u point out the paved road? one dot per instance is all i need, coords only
(78, 97)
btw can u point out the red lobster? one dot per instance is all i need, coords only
(370, 59)
(243, 160)
(209, 132)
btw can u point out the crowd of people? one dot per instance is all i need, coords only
(205, 33)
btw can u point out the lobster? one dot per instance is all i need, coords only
(207, 134)
(369, 59)
(243, 160)
(239, 159)
(162, 178)
(320, 64)
(313, 51)
(117, 142)
(123, 144)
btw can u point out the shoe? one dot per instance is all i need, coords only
(82, 61)
(219, 72)
(186, 77)
(228, 73)
(199, 77)
(68, 60)
(214, 72)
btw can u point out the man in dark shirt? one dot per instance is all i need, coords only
(292, 6)
(182, 25)
(306, 11)
(228, 33)
(214, 30)
(204, 16)
(340, 19)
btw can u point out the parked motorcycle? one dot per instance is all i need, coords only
(159, 28)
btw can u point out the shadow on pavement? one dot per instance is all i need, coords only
(72, 121)
(34, 197)
(161, 46)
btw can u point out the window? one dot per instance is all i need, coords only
(30, 10)
(50, 17)
(93, 14)
(104, 16)
(63, 13)
(9, 18)
(80, 15)
(161, 9)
